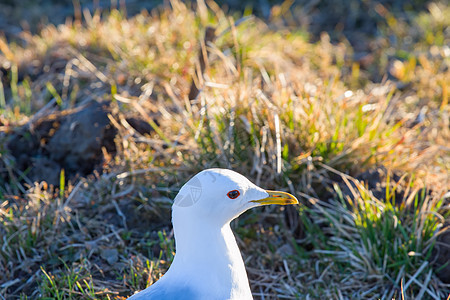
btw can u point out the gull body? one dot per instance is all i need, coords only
(208, 263)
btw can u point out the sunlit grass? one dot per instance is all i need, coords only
(379, 243)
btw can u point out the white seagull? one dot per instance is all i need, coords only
(207, 263)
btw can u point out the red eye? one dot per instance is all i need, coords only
(233, 194)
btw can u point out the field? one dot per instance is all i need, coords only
(345, 104)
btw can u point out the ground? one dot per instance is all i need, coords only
(107, 112)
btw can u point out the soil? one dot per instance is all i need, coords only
(69, 140)
(375, 180)
(441, 255)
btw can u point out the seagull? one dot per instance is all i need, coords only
(208, 264)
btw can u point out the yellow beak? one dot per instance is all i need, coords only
(276, 197)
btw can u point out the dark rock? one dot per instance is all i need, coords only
(110, 255)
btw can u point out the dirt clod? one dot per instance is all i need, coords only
(441, 255)
(70, 140)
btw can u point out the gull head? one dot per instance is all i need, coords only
(220, 195)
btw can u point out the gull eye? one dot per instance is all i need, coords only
(233, 194)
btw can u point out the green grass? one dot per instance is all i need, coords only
(287, 112)
(379, 243)
(70, 283)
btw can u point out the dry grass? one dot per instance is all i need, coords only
(285, 112)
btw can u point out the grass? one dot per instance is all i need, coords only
(383, 241)
(287, 112)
